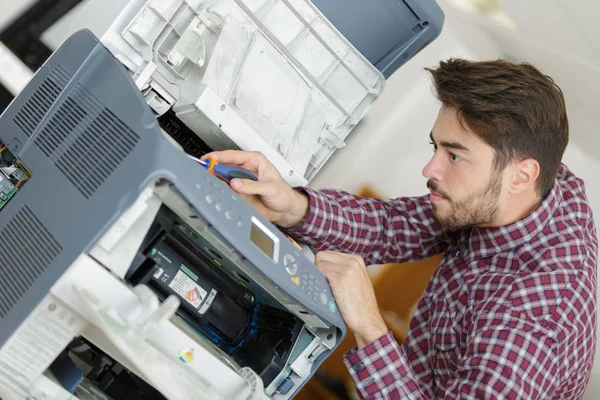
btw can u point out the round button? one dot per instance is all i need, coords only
(219, 207)
(288, 259)
(323, 298)
(228, 214)
(209, 199)
(290, 264)
(292, 269)
(332, 306)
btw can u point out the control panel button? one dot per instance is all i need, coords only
(290, 264)
(209, 199)
(332, 306)
(323, 298)
(228, 214)
(219, 206)
(288, 259)
(292, 269)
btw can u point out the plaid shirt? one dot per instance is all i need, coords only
(510, 313)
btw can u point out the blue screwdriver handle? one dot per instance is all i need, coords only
(224, 172)
(229, 173)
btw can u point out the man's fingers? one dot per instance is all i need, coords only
(247, 186)
(327, 255)
(329, 269)
(333, 256)
(353, 257)
(236, 158)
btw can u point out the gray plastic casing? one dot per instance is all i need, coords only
(92, 144)
(387, 32)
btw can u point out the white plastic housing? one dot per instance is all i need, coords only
(265, 75)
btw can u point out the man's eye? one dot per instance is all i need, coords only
(454, 157)
(434, 145)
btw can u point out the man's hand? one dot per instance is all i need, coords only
(353, 292)
(272, 196)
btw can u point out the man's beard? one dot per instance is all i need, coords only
(480, 208)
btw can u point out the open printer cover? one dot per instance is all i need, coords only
(126, 269)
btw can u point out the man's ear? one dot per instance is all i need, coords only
(525, 175)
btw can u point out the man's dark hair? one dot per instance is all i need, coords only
(514, 108)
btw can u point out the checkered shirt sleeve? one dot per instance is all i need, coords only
(381, 231)
(508, 357)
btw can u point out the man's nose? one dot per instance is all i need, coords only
(434, 169)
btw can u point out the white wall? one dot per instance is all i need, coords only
(390, 147)
(11, 9)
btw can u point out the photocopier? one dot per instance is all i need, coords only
(127, 270)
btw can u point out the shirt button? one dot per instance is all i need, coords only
(459, 254)
(358, 367)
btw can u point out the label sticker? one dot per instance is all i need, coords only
(184, 286)
(208, 302)
(37, 343)
(158, 273)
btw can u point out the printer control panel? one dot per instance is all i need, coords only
(271, 251)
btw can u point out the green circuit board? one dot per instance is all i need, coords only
(12, 175)
(8, 197)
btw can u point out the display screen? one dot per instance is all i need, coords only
(260, 238)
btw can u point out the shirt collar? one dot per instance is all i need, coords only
(485, 242)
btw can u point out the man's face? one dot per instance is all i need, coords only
(465, 189)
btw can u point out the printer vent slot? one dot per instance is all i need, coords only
(27, 249)
(86, 141)
(29, 117)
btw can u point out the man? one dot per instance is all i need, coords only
(511, 311)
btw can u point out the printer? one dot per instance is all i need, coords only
(127, 270)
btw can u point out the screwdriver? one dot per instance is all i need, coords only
(224, 172)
